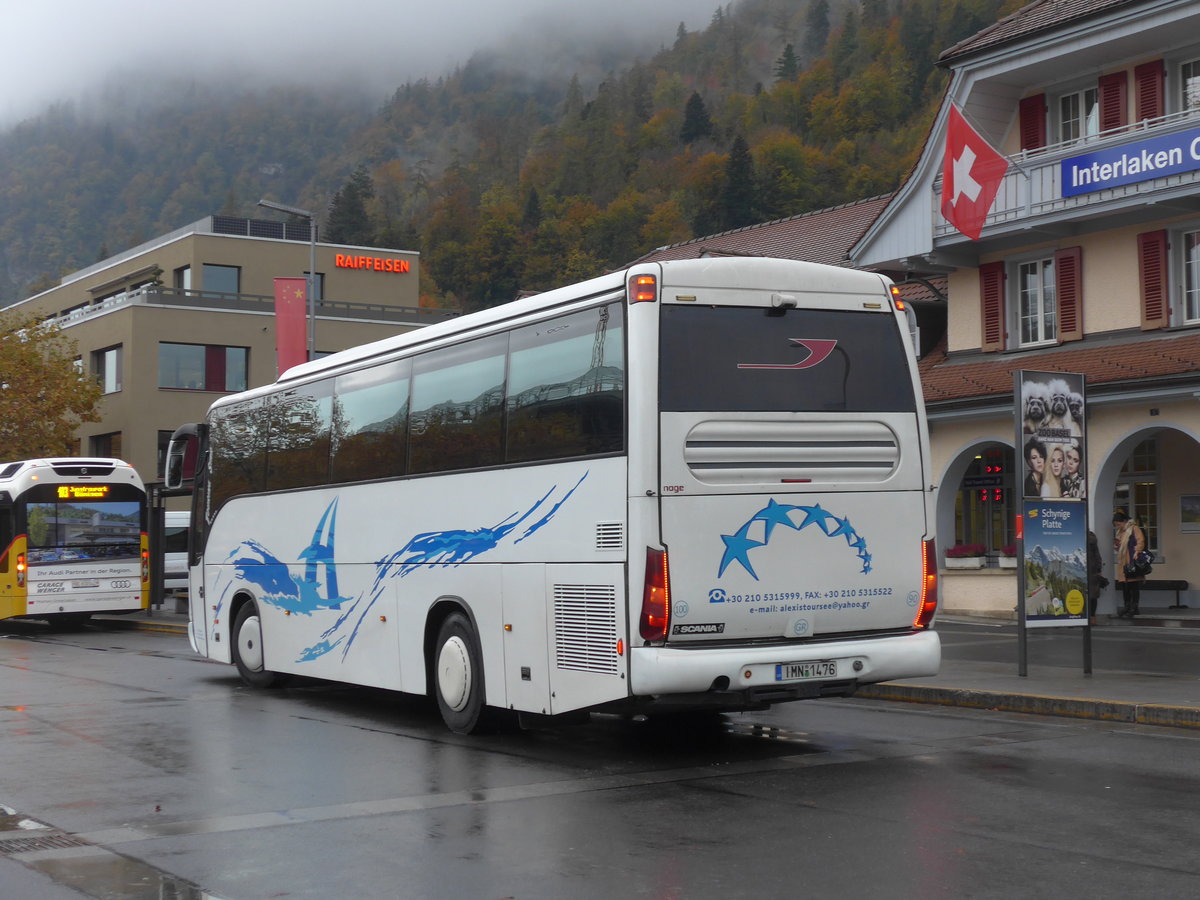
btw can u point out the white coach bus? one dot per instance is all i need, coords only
(694, 484)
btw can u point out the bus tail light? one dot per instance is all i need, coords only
(656, 597)
(643, 289)
(20, 570)
(929, 600)
(145, 566)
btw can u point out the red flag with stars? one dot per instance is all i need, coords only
(971, 176)
(291, 321)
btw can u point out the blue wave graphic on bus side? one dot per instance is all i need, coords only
(254, 564)
(739, 544)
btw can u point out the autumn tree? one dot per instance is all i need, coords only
(44, 397)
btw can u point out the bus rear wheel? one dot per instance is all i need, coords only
(248, 649)
(458, 675)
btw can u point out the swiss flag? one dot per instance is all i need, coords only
(971, 176)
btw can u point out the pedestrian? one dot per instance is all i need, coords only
(1128, 542)
(1096, 582)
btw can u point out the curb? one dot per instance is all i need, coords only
(1037, 704)
(145, 625)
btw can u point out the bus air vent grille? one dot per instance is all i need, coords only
(737, 453)
(610, 536)
(585, 628)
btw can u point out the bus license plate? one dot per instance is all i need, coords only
(795, 671)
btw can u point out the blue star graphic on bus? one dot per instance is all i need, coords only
(739, 544)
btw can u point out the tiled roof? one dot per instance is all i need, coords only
(1037, 16)
(824, 236)
(1137, 359)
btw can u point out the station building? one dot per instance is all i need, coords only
(1088, 262)
(169, 326)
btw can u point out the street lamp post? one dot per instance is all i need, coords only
(311, 281)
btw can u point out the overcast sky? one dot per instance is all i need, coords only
(58, 50)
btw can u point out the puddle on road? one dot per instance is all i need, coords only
(92, 870)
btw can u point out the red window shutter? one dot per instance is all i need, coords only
(1113, 101)
(1152, 269)
(1149, 80)
(214, 368)
(1068, 282)
(1033, 122)
(991, 305)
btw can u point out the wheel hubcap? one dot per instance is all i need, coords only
(250, 644)
(454, 673)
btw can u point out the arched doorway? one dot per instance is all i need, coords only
(1152, 474)
(976, 501)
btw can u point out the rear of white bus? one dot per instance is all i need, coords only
(789, 551)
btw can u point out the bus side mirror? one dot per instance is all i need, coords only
(182, 453)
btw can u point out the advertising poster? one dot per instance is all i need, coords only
(1055, 563)
(1051, 414)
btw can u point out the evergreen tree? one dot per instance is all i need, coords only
(696, 123)
(348, 222)
(738, 198)
(816, 28)
(787, 66)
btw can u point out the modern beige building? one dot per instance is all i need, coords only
(169, 326)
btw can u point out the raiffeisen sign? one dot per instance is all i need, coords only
(374, 263)
(1170, 154)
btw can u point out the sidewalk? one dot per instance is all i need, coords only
(1146, 671)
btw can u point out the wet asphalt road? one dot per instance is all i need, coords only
(164, 777)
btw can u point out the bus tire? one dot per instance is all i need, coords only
(458, 675)
(248, 648)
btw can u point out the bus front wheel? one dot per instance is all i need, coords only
(248, 648)
(458, 675)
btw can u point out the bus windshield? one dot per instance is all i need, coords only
(790, 360)
(62, 530)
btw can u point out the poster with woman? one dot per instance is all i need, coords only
(1051, 412)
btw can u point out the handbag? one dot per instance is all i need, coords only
(1141, 566)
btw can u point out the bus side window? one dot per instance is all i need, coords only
(6, 534)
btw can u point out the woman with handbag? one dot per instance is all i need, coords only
(1128, 543)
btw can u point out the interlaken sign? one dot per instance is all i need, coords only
(1169, 154)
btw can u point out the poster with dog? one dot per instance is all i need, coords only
(1051, 412)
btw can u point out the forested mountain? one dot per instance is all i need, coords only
(507, 175)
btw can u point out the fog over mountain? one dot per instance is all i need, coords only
(81, 50)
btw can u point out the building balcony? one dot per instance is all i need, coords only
(1065, 189)
(176, 298)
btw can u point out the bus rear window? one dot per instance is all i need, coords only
(792, 360)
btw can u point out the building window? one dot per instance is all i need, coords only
(1136, 491)
(1189, 85)
(1191, 277)
(108, 445)
(1037, 307)
(182, 279)
(164, 440)
(318, 285)
(222, 279)
(1078, 115)
(106, 366)
(202, 367)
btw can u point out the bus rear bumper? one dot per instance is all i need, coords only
(696, 669)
